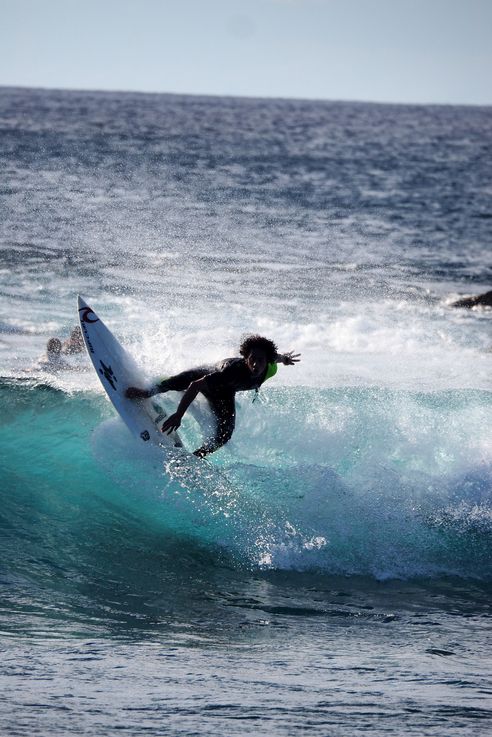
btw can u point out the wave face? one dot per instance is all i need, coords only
(355, 482)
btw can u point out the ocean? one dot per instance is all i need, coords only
(330, 570)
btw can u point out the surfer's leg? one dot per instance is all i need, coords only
(181, 382)
(178, 383)
(225, 415)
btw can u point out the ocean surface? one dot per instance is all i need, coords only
(330, 570)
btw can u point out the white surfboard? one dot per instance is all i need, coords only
(117, 370)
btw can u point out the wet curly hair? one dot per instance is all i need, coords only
(258, 341)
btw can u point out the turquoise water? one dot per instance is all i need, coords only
(374, 499)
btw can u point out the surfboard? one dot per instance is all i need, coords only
(117, 370)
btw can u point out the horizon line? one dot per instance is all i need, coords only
(94, 90)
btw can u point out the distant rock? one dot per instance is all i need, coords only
(480, 299)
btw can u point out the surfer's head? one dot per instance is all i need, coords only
(258, 352)
(54, 346)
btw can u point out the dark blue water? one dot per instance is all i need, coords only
(330, 571)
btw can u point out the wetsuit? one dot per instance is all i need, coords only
(223, 381)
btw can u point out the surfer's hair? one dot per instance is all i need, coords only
(257, 341)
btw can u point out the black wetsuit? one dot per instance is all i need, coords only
(223, 381)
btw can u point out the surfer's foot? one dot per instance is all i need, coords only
(200, 453)
(133, 392)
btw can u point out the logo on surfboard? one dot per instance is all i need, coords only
(108, 374)
(87, 315)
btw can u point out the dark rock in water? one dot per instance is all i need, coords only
(480, 299)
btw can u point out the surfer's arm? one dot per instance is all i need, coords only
(174, 421)
(288, 359)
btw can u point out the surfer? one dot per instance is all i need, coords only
(219, 384)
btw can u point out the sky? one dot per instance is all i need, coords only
(410, 51)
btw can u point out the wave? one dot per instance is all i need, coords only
(355, 482)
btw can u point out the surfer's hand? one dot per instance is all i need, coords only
(133, 392)
(290, 358)
(172, 423)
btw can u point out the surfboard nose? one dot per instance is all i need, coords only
(81, 303)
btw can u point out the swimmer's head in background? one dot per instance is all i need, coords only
(54, 346)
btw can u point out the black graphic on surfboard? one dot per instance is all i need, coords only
(87, 315)
(108, 374)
